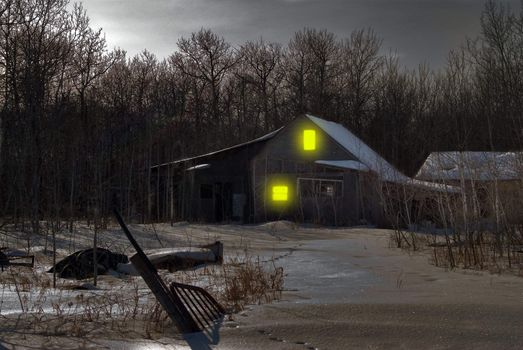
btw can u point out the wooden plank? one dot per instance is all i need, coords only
(170, 301)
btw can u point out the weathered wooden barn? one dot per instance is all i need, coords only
(311, 170)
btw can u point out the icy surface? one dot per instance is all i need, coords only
(327, 278)
(345, 288)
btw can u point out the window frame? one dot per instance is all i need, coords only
(319, 193)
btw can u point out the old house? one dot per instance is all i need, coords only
(311, 170)
(491, 182)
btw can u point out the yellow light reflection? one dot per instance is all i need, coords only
(280, 193)
(309, 140)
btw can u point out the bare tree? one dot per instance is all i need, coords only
(360, 64)
(261, 69)
(207, 57)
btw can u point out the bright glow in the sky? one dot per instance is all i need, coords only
(417, 31)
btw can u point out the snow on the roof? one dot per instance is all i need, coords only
(199, 166)
(261, 138)
(479, 166)
(345, 164)
(369, 158)
(432, 185)
(360, 150)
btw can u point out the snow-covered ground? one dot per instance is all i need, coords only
(344, 288)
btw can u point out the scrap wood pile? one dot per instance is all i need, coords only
(10, 257)
(80, 265)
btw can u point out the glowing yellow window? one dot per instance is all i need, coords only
(309, 140)
(280, 193)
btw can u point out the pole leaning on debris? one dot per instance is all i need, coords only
(170, 301)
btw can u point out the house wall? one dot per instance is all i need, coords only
(287, 144)
(480, 200)
(283, 160)
(352, 204)
(217, 193)
(509, 197)
(236, 185)
(511, 194)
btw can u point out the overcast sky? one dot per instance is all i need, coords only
(418, 30)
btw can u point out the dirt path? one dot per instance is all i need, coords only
(356, 293)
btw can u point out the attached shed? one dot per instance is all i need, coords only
(311, 170)
(492, 182)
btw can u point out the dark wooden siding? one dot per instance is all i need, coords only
(287, 144)
(236, 185)
(283, 155)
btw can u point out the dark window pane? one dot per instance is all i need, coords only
(320, 188)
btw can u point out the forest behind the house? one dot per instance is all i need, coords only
(81, 122)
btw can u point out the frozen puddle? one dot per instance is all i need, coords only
(323, 272)
(347, 274)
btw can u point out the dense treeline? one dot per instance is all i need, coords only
(80, 123)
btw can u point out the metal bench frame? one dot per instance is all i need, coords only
(191, 308)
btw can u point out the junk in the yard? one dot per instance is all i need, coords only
(191, 308)
(15, 258)
(80, 266)
(174, 259)
(3, 261)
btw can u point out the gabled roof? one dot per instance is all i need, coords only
(259, 139)
(359, 149)
(369, 158)
(478, 166)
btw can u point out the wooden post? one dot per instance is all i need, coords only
(157, 195)
(171, 211)
(95, 262)
(95, 246)
(54, 258)
(265, 189)
(254, 189)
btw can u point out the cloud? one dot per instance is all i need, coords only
(422, 30)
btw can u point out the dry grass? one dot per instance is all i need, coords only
(248, 281)
(124, 305)
(65, 311)
(240, 281)
(500, 252)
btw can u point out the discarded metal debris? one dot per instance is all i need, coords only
(177, 259)
(3, 261)
(201, 305)
(79, 265)
(187, 257)
(190, 308)
(7, 259)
